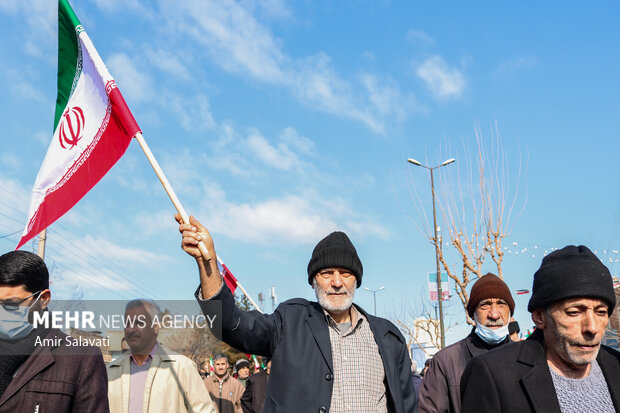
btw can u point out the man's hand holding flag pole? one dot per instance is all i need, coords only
(92, 130)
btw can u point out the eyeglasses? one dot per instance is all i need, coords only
(14, 305)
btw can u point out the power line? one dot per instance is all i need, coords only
(12, 233)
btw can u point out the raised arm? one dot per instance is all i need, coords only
(192, 233)
(248, 331)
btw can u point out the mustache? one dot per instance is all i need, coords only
(575, 343)
(494, 323)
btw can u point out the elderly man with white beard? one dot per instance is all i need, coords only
(329, 356)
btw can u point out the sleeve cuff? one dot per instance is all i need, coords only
(199, 296)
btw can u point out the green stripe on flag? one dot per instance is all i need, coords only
(69, 56)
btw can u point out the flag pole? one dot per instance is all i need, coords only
(170, 191)
(241, 288)
(42, 239)
(179, 207)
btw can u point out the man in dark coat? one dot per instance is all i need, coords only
(490, 305)
(253, 398)
(328, 355)
(562, 366)
(39, 370)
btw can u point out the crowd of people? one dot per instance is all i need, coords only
(323, 356)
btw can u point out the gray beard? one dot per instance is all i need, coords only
(323, 299)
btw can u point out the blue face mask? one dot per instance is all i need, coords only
(14, 324)
(491, 335)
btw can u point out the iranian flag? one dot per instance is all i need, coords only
(92, 127)
(229, 278)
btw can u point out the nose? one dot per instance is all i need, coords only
(589, 324)
(494, 312)
(337, 280)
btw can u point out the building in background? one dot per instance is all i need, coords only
(612, 336)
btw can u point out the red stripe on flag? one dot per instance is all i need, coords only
(229, 279)
(111, 146)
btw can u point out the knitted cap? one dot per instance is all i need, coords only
(570, 273)
(335, 250)
(241, 363)
(489, 286)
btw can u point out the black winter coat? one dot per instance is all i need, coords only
(516, 379)
(296, 338)
(253, 398)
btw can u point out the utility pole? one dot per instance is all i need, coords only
(274, 298)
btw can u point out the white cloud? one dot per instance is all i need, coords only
(385, 98)
(27, 91)
(168, 62)
(39, 15)
(367, 228)
(420, 38)
(239, 43)
(291, 219)
(117, 253)
(275, 9)
(291, 138)
(235, 38)
(298, 219)
(114, 6)
(10, 160)
(43, 137)
(193, 113)
(444, 82)
(278, 157)
(136, 85)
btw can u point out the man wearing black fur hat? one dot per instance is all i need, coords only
(562, 366)
(351, 361)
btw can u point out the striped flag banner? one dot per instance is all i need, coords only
(229, 278)
(92, 127)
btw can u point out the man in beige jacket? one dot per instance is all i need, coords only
(225, 390)
(153, 379)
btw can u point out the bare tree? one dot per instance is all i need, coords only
(476, 209)
(420, 324)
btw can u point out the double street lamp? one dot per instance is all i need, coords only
(436, 239)
(374, 294)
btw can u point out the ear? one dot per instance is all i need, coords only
(45, 298)
(538, 317)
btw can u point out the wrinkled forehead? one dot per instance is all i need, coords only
(491, 301)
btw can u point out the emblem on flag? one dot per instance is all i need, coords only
(71, 127)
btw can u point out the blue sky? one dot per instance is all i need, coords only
(279, 122)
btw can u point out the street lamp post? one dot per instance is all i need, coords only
(439, 292)
(374, 294)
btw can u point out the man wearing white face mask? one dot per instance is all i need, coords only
(490, 305)
(39, 371)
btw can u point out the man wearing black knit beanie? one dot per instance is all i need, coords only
(562, 366)
(328, 356)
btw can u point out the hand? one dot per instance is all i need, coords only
(192, 233)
